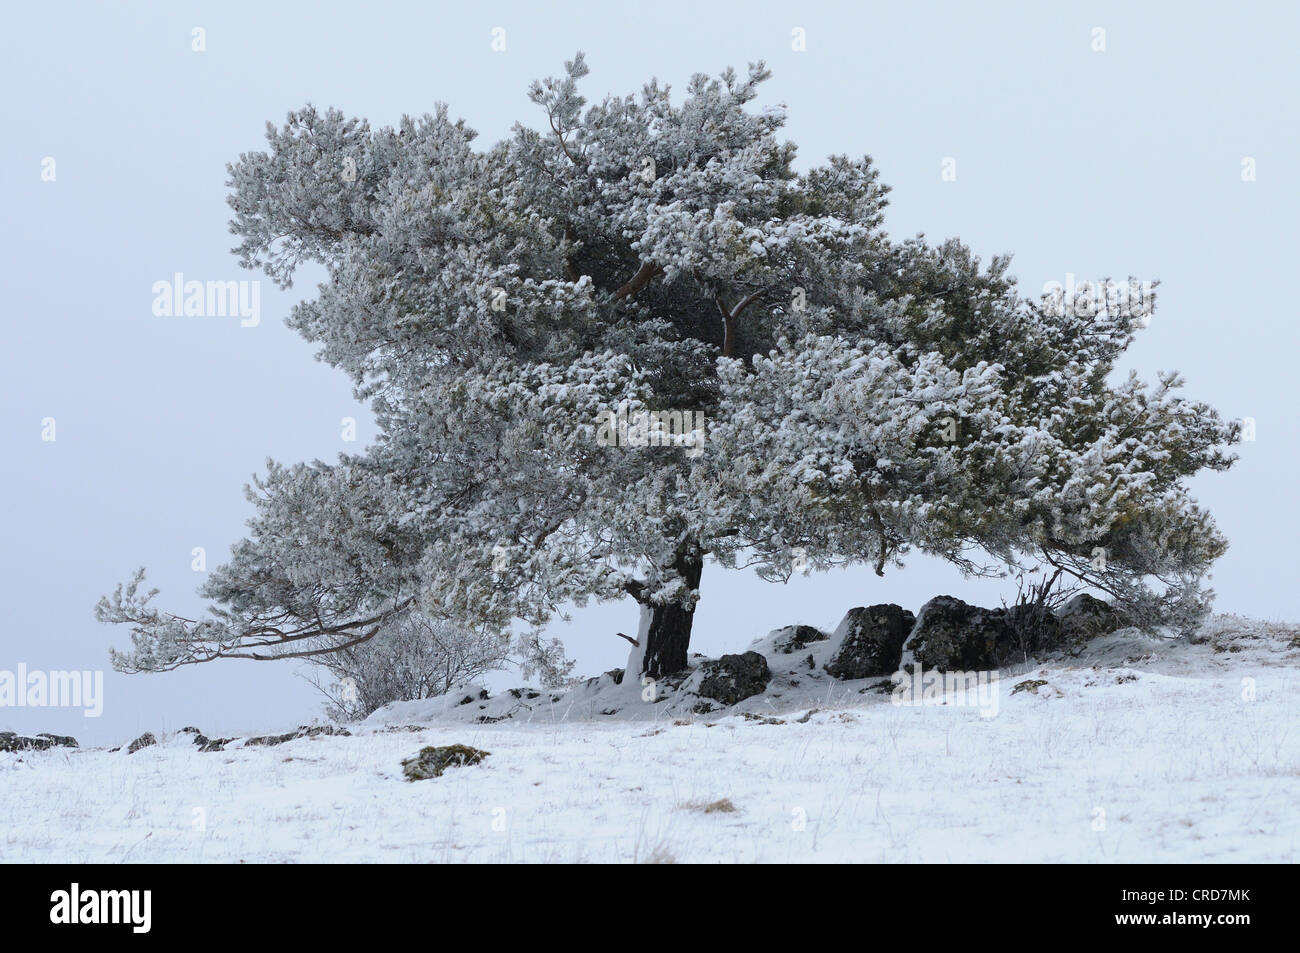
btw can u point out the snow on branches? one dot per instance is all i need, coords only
(863, 396)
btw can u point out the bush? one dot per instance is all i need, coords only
(414, 657)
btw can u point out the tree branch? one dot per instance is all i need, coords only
(731, 318)
(638, 281)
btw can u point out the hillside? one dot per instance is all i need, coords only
(1138, 749)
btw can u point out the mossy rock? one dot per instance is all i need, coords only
(433, 760)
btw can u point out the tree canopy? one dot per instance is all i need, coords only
(864, 397)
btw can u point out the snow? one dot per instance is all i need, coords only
(1140, 749)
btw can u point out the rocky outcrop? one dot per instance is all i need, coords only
(304, 731)
(203, 742)
(733, 678)
(953, 636)
(870, 641)
(12, 741)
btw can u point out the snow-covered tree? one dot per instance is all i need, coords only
(541, 327)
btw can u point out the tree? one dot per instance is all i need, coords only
(541, 326)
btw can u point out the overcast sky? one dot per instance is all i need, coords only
(1126, 161)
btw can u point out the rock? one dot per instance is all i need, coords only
(952, 636)
(304, 731)
(432, 761)
(1030, 630)
(614, 676)
(1086, 617)
(734, 678)
(144, 741)
(792, 638)
(59, 741)
(196, 736)
(12, 741)
(882, 687)
(1031, 685)
(870, 641)
(203, 742)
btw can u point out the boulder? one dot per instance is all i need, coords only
(1030, 629)
(870, 641)
(1086, 617)
(953, 636)
(431, 761)
(733, 678)
(144, 741)
(792, 638)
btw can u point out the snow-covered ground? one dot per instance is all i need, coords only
(1138, 750)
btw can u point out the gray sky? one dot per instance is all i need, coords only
(1115, 163)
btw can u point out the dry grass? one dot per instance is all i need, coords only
(720, 806)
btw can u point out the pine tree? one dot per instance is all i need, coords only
(601, 352)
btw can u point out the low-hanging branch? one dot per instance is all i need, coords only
(191, 641)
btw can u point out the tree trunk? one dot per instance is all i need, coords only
(669, 635)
